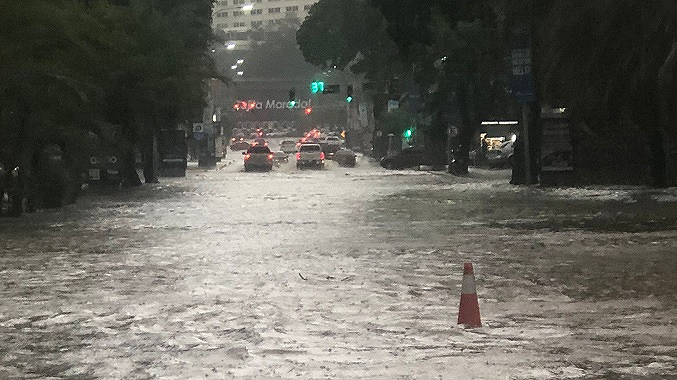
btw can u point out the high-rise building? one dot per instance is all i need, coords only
(238, 19)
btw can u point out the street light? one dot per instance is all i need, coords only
(247, 7)
(240, 61)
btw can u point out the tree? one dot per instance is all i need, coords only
(162, 80)
(48, 93)
(456, 50)
(616, 73)
(70, 67)
(350, 34)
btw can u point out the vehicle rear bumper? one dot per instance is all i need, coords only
(316, 163)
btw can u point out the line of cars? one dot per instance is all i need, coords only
(498, 157)
(329, 148)
(308, 154)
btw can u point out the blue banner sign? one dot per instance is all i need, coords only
(523, 83)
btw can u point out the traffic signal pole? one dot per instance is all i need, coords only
(525, 134)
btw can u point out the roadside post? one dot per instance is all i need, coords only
(523, 87)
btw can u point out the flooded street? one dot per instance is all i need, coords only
(341, 273)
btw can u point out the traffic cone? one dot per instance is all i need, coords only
(469, 311)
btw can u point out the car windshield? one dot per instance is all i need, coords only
(310, 148)
(258, 149)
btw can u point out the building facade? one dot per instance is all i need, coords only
(238, 19)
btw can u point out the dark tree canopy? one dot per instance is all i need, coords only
(68, 67)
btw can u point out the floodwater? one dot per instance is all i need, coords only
(342, 273)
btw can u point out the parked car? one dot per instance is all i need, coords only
(173, 151)
(288, 146)
(501, 156)
(345, 157)
(310, 155)
(406, 158)
(258, 157)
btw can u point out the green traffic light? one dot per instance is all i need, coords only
(349, 99)
(291, 104)
(407, 133)
(316, 87)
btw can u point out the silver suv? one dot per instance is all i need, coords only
(258, 157)
(310, 155)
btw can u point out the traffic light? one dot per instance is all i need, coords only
(292, 98)
(349, 93)
(407, 133)
(308, 110)
(317, 86)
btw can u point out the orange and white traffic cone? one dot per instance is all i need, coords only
(469, 311)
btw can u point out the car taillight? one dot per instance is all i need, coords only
(270, 156)
(321, 155)
(298, 155)
(246, 156)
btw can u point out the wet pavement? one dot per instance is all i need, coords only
(341, 273)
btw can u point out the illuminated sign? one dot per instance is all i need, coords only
(250, 105)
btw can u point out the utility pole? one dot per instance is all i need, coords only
(527, 155)
(523, 87)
